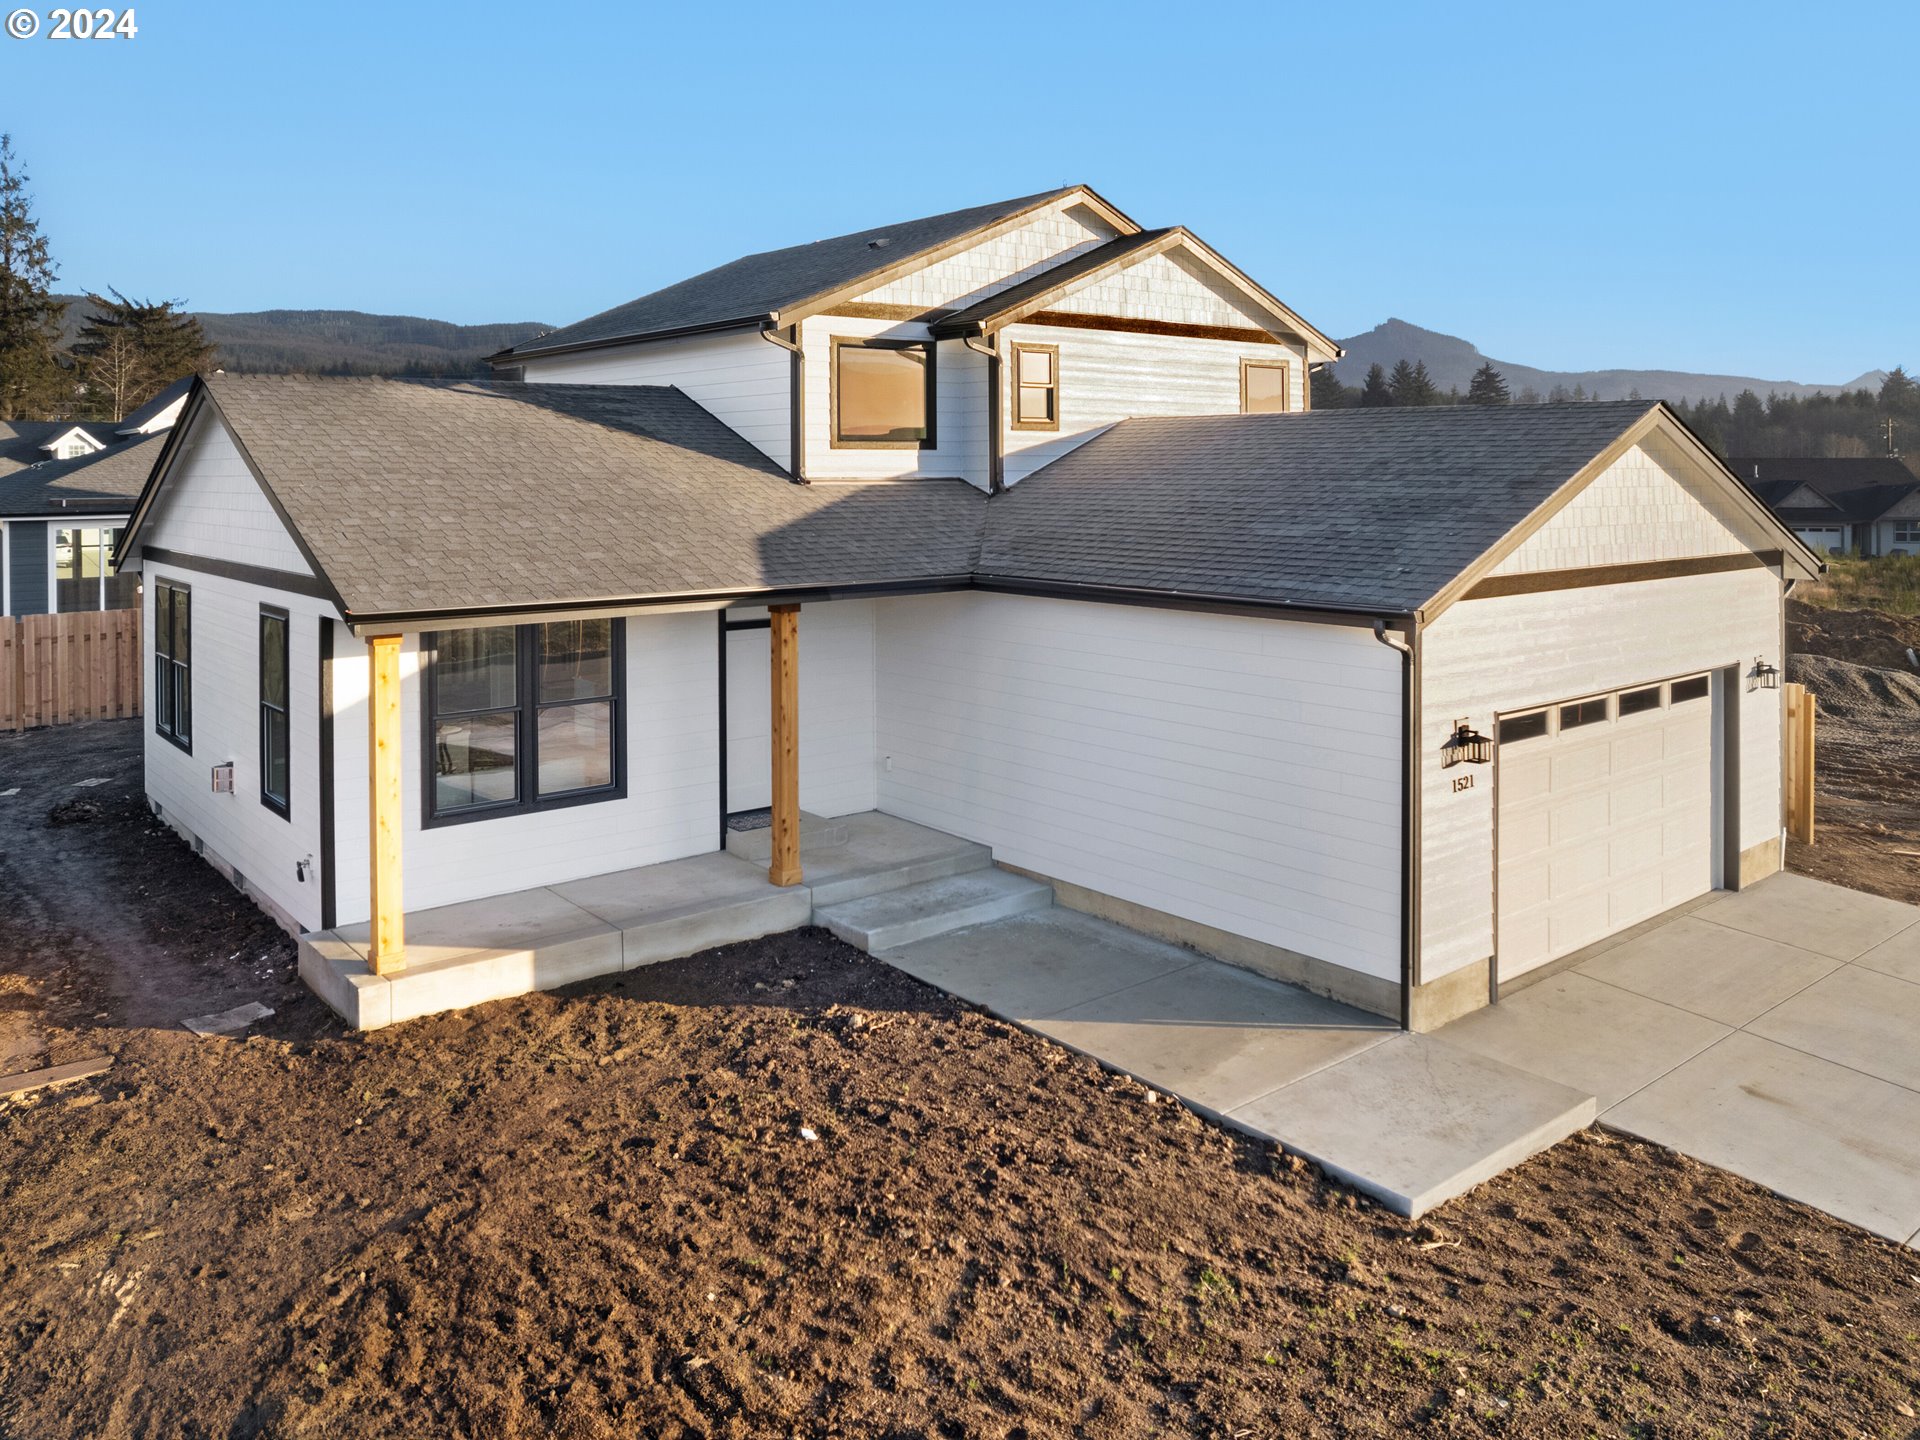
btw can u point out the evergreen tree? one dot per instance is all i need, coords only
(1489, 387)
(32, 381)
(1325, 392)
(1527, 396)
(131, 350)
(1412, 385)
(1376, 390)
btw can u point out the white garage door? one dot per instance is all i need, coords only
(1605, 816)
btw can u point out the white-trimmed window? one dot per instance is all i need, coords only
(1906, 532)
(83, 573)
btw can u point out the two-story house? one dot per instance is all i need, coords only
(1010, 530)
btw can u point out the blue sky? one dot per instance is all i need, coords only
(1707, 188)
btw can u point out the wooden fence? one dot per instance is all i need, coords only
(55, 669)
(1802, 709)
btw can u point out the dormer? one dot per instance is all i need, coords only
(71, 444)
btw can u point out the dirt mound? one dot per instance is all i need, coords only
(1858, 692)
(1866, 637)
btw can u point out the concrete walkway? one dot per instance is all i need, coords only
(1408, 1119)
(1774, 1033)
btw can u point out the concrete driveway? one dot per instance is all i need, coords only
(1774, 1033)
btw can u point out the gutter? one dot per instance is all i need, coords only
(1409, 822)
(796, 397)
(996, 441)
(538, 352)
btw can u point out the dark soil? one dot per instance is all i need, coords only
(1867, 748)
(782, 1189)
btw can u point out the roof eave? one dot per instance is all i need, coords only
(519, 353)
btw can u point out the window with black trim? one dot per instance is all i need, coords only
(1522, 727)
(1583, 712)
(882, 394)
(1036, 387)
(1264, 387)
(173, 663)
(1633, 702)
(1694, 689)
(522, 718)
(276, 791)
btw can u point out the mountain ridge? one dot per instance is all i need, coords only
(1451, 362)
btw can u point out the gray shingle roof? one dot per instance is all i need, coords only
(756, 286)
(107, 480)
(20, 440)
(1860, 490)
(452, 495)
(1345, 509)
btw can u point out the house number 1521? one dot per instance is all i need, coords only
(1462, 782)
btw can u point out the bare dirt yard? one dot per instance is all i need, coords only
(1867, 747)
(781, 1189)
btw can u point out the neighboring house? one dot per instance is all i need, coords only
(1869, 506)
(985, 486)
(63, 501)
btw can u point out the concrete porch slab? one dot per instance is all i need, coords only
(684, 906)
(1415, 1121)
(1600, 1039)
(1724, 974)
(1812, 915)
(1039, 964)
(1812, 1130)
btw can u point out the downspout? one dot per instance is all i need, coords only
(996, 446)
(796, 409)
(1409, 837)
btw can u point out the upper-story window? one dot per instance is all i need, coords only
(882, 394)
(1036, 387)
(1264, 387)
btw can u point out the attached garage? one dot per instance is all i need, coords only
(1606, 811)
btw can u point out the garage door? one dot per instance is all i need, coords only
(1605, 815)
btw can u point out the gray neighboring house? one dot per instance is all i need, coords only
(66, 489)
(1866, 506)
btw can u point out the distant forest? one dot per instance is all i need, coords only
(1847, 425)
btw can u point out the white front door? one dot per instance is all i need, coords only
(749, 720)
(1605, 815)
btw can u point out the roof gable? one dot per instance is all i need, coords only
(1140, 276)
(782, 286)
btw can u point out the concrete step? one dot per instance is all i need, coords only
(837, 876)
(917, 912)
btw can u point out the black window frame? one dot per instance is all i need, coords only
(281, 805)
(172, 677)
(1518, 729)
(930, 441)
(1578, 714)
(526, 712)
(1637, 702)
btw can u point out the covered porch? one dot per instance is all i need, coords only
(552, 935)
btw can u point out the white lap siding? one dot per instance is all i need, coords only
(1484, 657)
(672, 805)
(960, 408)
(1110, 375)
(214, 507)
(1241, 773)
(744, 380)
(670, 809)
(236, 830)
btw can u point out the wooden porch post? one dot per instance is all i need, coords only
(784, 654)
(389, 947)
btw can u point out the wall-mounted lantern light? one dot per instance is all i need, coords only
(1763, 676)
(1466, 746)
